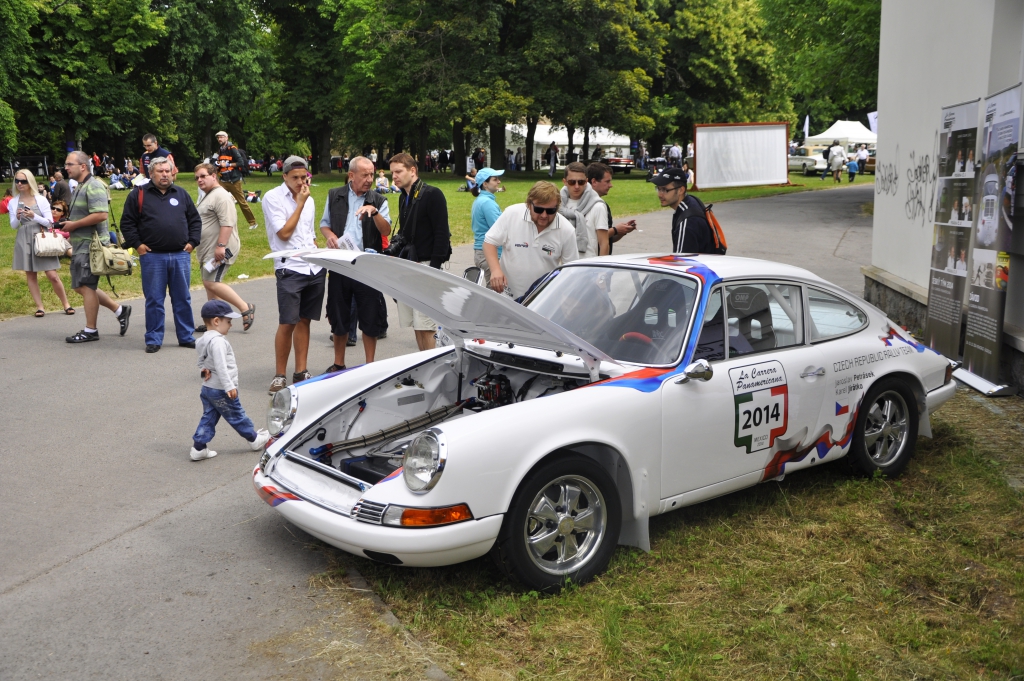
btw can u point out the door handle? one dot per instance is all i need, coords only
(820, 371)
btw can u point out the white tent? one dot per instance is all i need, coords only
(611, 143)
(847, 132)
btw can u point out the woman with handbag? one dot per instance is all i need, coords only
(30, 215)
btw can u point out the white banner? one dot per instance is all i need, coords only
(741, 155)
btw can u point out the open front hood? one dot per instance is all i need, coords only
(465, 310)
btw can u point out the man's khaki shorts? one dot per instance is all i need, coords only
(408, 316)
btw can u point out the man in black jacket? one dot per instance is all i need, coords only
(161, 222)
(355, 217)
(691, 232)
(423, 222)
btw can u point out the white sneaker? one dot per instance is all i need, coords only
(253, 226)
(199, 455)
(262, 436)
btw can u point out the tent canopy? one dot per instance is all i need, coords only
(847, 132)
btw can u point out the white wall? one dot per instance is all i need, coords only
(933, 53)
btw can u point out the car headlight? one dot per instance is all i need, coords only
(282, 411)
(423, 461)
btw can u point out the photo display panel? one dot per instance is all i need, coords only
(955, 211)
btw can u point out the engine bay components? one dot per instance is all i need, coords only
(494, 391)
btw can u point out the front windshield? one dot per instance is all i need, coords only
(632, 315)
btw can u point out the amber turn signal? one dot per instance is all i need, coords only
(424, 517)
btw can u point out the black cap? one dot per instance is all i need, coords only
(668, 176)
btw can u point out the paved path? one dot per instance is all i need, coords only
(123, 560)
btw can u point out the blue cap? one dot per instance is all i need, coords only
(217, 308)
(485, 174)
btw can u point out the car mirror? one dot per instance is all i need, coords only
(699, 370)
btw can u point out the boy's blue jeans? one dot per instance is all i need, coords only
(216, 403)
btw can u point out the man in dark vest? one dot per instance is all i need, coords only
(356, 218)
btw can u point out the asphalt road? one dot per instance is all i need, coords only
(122, 559)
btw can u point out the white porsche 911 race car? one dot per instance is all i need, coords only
(623, 387)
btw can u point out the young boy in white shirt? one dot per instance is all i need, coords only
(220, 384)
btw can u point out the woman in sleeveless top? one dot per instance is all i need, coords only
(30, 214)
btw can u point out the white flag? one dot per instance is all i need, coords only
(873, 121)
(807, 127)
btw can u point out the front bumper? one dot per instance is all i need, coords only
(938, 397)
(426, 547)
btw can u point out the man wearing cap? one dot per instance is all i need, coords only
(355, 217)
(691, 232)
(229, 161)
(288, 210)
(485, 213)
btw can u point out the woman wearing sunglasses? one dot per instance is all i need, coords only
(29, 214)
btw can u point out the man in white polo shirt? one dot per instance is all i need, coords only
(289, 214)
(534, 240)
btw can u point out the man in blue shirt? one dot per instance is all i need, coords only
(486, 212)
(154, 150)
(355, 218)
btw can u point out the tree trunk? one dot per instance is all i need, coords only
(422, 132)
(459, 148)
(468, 146)
(586, 142)
(531, 134)
(399, 144)
(207, 141)
(570, 129)
(325, 150)
(496, 131)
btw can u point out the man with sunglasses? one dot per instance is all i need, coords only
(691, 232)
(534, 240)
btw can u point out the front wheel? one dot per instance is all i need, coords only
(885, 435)
(562, 526)
(806, 172)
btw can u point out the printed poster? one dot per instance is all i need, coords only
(955, 212)
(990, 262)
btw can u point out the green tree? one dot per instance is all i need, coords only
(828, 50)
(14, 17)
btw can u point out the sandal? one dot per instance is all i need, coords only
(248, 317)
(40, 313)
(69, 311)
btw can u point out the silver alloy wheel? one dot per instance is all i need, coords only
(565, 525)
(886, 428)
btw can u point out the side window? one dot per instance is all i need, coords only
(832, 316)
(763, 317)
(711, 343)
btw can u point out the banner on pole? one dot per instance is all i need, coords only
(955, 209)
(990, 261)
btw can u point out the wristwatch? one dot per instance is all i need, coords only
(223, 245)
(374, 213)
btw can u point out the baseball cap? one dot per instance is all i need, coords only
(668, 176)
(221, 132)
(293, 162)
(485, 174)
(217, 308)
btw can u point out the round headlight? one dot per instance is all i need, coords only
(282, 410)
(423, 462)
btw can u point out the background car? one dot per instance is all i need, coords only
(623, 387)
(808, 160)
(619, 164)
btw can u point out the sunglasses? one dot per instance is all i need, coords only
(21, 182)
(540, 210)
(575, 183)
(56, 210)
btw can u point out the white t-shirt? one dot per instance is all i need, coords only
(278, 206)
(527, 254)
(597, 219)
(862, 154)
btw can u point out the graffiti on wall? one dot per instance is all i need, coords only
(919, 178)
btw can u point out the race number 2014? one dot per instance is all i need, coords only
(761, 397)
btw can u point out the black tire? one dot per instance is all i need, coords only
(627, 171)
(512, 550)
(805, 170)
(877, 433)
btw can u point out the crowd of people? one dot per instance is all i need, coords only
(516, 248)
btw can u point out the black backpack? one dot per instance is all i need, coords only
(245, 162)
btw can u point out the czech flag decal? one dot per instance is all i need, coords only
(842, 409)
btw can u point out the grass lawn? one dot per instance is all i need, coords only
(821, 576)
(630, 195)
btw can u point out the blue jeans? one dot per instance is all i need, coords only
(216, 403)
(160, 272)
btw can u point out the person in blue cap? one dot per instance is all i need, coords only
(486, 211)
(219, 393)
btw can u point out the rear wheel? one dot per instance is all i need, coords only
(562, 526)
(885, 436)
(806, 172)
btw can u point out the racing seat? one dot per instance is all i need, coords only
(748, 305)
(648, 321)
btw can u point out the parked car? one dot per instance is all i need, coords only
(624, 387)
(619, 164)
(808, 160)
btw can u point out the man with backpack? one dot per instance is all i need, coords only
(691, 230)
(230, 165)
